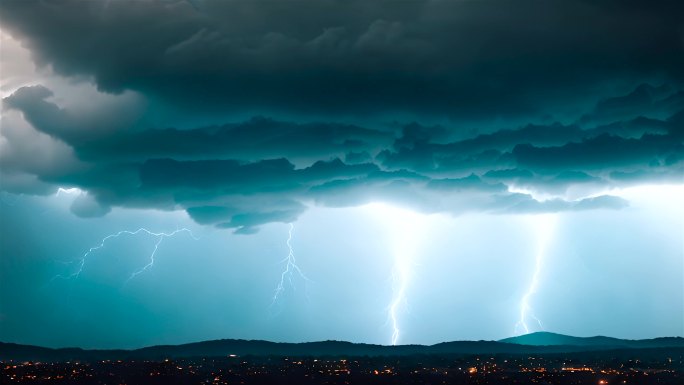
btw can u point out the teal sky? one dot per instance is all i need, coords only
(372, 171)
(603, 273)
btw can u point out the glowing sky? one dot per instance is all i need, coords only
(371, 171)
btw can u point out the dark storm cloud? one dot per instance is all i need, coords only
(645, 100)
(108, 135)
(602, 152)
(561, 98)
(472, 59)
(253, 139)
(231, 176)
(75, 127)
(230, 187)
(547, 149)
(472, 182)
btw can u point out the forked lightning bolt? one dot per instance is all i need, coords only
(545, 224)
(160, 236)
(291, 268)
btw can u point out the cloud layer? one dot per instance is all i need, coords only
(459, 58)
(457, 106)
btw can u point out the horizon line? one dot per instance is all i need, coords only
(502, 340)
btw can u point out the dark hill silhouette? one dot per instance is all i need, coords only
(535, 343)
(555, 339)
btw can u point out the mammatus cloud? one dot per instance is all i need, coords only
(412, 103)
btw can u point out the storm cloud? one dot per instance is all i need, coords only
(458, 58)
(442, 106)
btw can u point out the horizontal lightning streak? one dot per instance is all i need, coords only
(161, 235)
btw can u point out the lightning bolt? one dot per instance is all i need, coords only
(291, 268)
(545, 225)
(161, 236)
(68, 191)
(405, 230)
(400, 278)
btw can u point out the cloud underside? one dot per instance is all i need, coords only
(527, 108)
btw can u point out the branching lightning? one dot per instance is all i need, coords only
(545, 225)
(161, 235)
(291, 268)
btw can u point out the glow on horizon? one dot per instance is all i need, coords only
(544, 227)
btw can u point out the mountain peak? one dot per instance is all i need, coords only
(555, 339)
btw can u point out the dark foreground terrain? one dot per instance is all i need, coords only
(635, 366)
(588, 361)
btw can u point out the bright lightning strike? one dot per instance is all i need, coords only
(291, 268)
(68, 191)
(545, 225)
(161, 236)
(405, 231)
(400, 278)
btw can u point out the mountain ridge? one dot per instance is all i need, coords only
(556, 339)
(534, 343)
